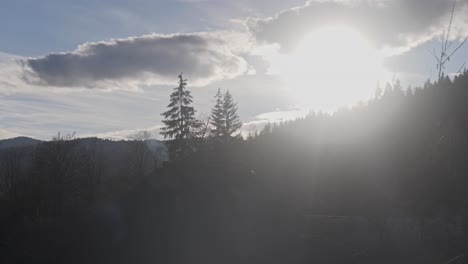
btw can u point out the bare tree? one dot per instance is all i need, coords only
(64, 137)
(141, 152)
(203, 128)
(446, 50)
(55, 163)
(142, 135)
(10, 173)
(94, 165)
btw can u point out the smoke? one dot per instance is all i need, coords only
(158, 151)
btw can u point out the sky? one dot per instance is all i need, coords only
(106, 68)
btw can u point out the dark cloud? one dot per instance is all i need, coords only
(387, 23)
(203, 57)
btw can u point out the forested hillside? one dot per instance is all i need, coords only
(382, 182)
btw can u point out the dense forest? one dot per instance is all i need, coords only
(381, 182)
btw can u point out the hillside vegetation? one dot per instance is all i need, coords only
(382, 182)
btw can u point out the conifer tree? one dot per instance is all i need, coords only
(217, 116)
(224, 118)
(232, 120)
(179, 120)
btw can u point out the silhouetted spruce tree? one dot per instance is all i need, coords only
(232, 120)
(179, 120)
(217, 116)
(225, 120)
(378, 92)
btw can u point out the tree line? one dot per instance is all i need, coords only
(381, 182)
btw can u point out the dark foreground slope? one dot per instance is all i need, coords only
(383, 182)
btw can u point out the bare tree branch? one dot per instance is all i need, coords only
(457, 48)
(450, 26)
(461, 68)
(445, 45)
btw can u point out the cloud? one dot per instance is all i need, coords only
(275, 117)
(10, 72)
(128, 134)
(393, 24)
(149, 59)
(5, 134)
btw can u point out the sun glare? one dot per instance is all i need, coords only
(331, 67)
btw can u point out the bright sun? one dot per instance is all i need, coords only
(331, 67)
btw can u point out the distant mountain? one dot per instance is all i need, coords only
(18, 142)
